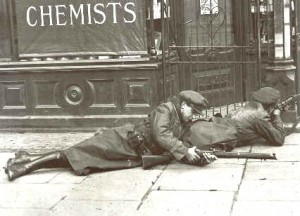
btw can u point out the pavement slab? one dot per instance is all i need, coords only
(66, 176)
(227, 187)
(129, 185)
(272, 171)
(292, 139)
(33, 196)
(266, 208)
(269, 190)
(95, 208)
(24, 212)
(187, 203)
(213, 177)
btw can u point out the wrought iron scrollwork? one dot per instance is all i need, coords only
(211, 17)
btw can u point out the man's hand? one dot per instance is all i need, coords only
(277, 112)
(205, 158)
(192, 156)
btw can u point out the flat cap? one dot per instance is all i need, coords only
(266, 95)
(194, 99)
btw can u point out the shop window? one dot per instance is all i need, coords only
(5, 52)
(262, 20)
(72, 30)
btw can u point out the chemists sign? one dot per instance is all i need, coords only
(90, 26)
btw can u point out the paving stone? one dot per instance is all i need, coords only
(283, 153)
(175, 189)
(292, 139)
(188, 203)
(266, 208)
(95, 208)
(269, 190)
(273, 171)
(229, 161)
(24, 212)
(130, 184)
(32, 195)
(211, 177)
(67, 176)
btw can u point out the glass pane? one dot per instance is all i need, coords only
(56, 27)
(208, 22)
(5, 51)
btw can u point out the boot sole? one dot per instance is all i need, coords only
(10, 175)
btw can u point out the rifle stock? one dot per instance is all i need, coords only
(150, 161)
(153, 160)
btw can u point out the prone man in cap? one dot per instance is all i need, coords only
(271, 124)
(269, 98)
(257, 122)
(122, 147)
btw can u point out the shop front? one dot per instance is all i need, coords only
(74, 64)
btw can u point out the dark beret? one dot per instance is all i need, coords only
(195, 99)
(266, 95)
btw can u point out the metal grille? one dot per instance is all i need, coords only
(213, 52)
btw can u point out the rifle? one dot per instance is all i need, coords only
(152, 160)
(284, 104)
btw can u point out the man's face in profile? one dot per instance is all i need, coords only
(187, 111)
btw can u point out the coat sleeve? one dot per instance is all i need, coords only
(272, 131)
(163, 135)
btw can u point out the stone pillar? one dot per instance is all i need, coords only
(281, 70)
(280, 73)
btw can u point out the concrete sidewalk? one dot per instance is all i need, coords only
(227, 187)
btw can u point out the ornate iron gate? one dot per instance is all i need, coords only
(213, 47)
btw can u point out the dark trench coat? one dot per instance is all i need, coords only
(111, 150)
(164, 131)
(234, 133)
(106, 151)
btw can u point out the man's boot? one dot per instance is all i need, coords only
(50, 160)
(20, 157)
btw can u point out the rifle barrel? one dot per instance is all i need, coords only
(246, 155)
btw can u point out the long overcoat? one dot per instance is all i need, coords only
(216, 133)
(111, 150)
(261, 129)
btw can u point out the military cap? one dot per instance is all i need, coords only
(266, 95)
(194, 99)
